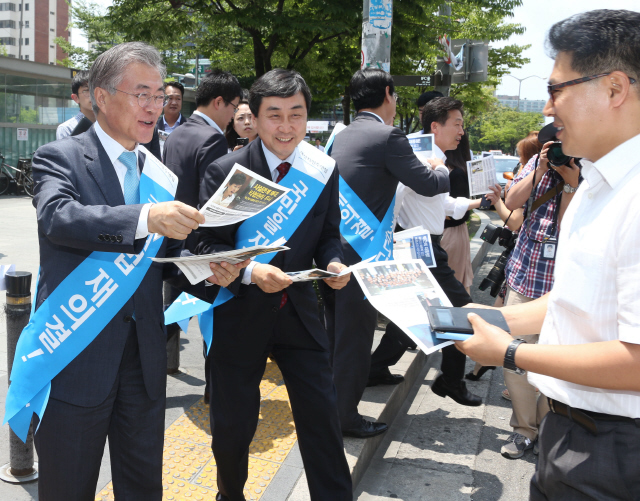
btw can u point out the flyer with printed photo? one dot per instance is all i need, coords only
(242, 194)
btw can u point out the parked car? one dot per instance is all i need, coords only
(504, 163)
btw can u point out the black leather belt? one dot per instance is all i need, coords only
(587, 419)
(436, 239)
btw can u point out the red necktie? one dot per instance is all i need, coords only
(282, 169)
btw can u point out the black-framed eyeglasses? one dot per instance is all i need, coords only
(235, 108)
(144, 99)
(552, 88)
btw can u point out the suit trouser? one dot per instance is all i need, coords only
(527, 410)
(235, 406)
(391, 350)
(576, 465)
(70, 441)
(351, 323)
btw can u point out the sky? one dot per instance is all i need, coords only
(538, 16)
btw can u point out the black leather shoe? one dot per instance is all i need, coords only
(457, 392)
(385, 378)
(475, 377)
(366, 429)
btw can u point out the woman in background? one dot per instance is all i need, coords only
(240, 125)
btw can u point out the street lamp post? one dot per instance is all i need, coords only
(520, 80)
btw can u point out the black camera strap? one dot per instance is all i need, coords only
(533, 205)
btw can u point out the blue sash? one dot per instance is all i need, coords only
(306, 180)
(370, 238)
(78, 310)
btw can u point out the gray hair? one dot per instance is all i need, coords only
(109, 68)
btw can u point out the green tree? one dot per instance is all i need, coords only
(501, 128)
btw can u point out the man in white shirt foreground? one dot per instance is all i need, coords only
(588, 357)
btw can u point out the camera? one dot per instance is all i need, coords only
(242, 141)
(496, 276)
(502, 234)
(556, 157)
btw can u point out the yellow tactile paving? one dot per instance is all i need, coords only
(189, 469)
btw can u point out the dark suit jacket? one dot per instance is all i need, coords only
(79, 200)
(188, 152)
(373, 157)
(243, 324)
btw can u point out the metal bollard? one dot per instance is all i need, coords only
(21, 467)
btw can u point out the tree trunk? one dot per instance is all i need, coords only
(346, 106)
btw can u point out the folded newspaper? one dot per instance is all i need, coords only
(196, 268)
(414, 243)
(482, 175)
(402, 290)
(242, 194)
(315, 274)
(422, 145)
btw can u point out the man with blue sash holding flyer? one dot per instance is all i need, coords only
(91, 363)
(263, 313)
(373, 156)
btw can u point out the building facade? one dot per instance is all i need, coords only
(525, 104)
(42, 22)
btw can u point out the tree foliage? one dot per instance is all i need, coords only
(500, 128)
(318, 38)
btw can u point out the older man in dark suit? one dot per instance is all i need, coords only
(265, 314)
(87, 196)
(373, 156)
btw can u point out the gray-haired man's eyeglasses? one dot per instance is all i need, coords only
(144, 99)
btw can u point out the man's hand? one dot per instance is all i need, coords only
(435, 162)
(173, 219)
(269, 278)
(488, 344)
(337, 283)
(225, 273)
(570, 173)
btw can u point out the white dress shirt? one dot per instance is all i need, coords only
(273, 162)
(170, 128)
(429, 212)
(114, 149)
(596, 293)
(208, 120)
(66, 128)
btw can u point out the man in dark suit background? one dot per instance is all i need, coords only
(373, 156)
(172, 116)
(191, 149)
(270, 316)
(85, 196)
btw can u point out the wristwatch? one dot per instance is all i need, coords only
(569, 189)
(510, 357)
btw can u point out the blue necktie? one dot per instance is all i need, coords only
(131, 181)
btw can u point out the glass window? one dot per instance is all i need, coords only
(26, 41)
(26, 24)
(8, 6)
(7, 40)
(26, 6)
(7, 24)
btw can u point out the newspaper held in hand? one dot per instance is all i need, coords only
(316, 274)
(414, 243)
(196, 268)
(402, 290)
(4, 269)
(242, 194)
(482, 175)
(422, 145)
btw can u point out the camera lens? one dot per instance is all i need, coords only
(556, 157)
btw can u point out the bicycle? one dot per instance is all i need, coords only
(21, 175)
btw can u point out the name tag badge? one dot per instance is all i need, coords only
(549, 249)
